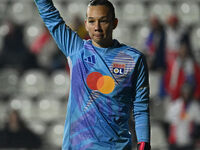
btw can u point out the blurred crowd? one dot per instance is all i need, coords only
(174, 79)
(169, 53)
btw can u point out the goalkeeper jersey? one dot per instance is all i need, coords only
(106, 85)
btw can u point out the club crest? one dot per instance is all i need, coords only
(118, 69)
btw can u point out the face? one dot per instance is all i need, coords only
(100, 25)
(13, 118)
(183, 51)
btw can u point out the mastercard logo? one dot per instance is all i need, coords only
(101, 83)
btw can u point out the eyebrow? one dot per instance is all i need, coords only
(103, 17)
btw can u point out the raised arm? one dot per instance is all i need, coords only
(67, 40)
(141, 104)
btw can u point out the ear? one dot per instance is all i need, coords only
(115, 23)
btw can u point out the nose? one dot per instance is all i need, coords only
(98, 26)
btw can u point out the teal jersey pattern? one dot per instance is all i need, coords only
(106, 85)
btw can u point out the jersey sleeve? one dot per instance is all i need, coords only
(141, 101)
(67, 40)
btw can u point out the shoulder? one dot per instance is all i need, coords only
(134, 51)
(137, 55)
(131, 51)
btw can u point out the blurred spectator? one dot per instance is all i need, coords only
(156, 47)
(14, 52)
(183, 117)
(78, 25)
(16, 134)
(182, 69)
(48, 55)
(155, 44)
(174, 33)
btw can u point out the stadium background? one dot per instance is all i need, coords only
(40, 93)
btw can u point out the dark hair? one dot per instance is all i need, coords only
(105, 3)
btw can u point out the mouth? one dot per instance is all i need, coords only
(98, 36)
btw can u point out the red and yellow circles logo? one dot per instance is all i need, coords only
(104, 84)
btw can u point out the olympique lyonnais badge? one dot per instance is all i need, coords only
(118, 69)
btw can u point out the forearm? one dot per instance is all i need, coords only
(67, 40)
(141, 102)
(49, 14)
(142, 123)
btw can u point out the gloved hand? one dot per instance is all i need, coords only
(143, 146)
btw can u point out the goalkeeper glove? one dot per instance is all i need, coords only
(143, 146)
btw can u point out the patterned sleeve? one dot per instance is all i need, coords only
(67, 40)
(141, 101)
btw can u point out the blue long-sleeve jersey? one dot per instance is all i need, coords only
(106, 84)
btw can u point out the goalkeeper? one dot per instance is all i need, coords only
(108, 81)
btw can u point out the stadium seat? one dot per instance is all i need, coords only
(158, 139)
(161, 9)
(21, 11)
(55, 134)
(141, 34)
(154, 81)
(4, 29)
(48, 108)
(25, 105)
(119, 33)
(8, 81)
(195, 38)
(31, 31)
(3, 112)
(188, 12)
(75, 8)
(134, 12)
(61, 7)
(3, 7)
(59, 84)
(33, 83)
(38, 126)
(157, 108)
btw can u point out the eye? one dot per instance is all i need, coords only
(91, 21)
(104, 21)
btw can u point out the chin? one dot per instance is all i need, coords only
(98, 41)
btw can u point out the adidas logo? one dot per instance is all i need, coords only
(90, 59)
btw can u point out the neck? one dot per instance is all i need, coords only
(103, 45)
